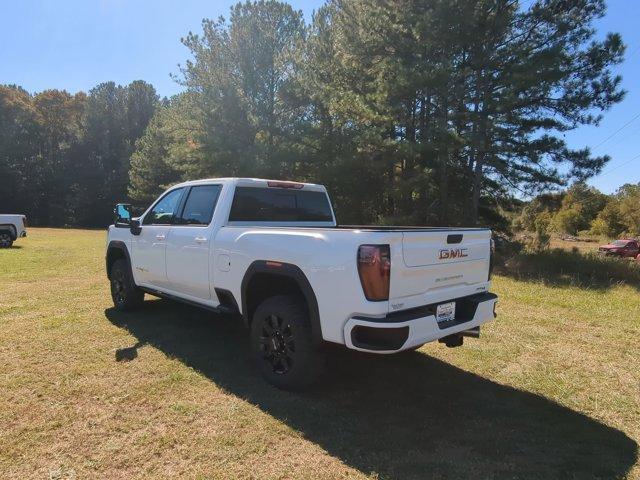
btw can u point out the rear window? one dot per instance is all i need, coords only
(279, 205)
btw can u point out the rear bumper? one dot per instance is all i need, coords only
(410, 328)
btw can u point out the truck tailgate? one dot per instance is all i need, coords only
(439, 260)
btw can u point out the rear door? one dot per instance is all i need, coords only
(190, 241)
(437, 260)
(149, 247)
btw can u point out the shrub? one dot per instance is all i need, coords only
(568, 221)
(609, 222)
(629, 200)
(542, 237)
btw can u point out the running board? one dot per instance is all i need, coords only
(220, 309)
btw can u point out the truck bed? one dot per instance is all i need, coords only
(401, 228)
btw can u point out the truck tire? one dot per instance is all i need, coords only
(124, 292)
(5, 240)
(282, 344)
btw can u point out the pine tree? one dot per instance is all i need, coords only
(238, 78)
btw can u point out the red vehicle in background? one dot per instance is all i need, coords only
(622, 248)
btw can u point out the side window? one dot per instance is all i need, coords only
(200, 204)
(162, 212)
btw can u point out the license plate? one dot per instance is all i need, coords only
(445, 312)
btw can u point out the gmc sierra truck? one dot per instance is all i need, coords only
(271, 252)
(12, 227)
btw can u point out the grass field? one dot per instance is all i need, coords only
(550, 390)
(582, 246)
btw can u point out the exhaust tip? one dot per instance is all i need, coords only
(472, 332)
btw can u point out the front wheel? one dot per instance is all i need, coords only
(5, 240)
(124, 292)
(282, 344)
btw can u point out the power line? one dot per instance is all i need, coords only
(618, 130)
(617, 167)
(626, 137)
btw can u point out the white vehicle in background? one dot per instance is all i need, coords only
(12, 227)
(271, 252)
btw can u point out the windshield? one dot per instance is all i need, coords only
(620, 243)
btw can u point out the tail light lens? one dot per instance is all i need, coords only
(374, 268)
(492, 252)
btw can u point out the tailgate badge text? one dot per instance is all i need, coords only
(453, 253)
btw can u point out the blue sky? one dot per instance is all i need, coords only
(76, 44)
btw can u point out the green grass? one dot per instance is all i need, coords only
(550, 390)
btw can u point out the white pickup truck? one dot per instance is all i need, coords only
(12, 227)
(271, 252)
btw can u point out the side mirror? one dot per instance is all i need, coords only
(122, 215)
(135, 227)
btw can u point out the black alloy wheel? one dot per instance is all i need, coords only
(277, 344)
(124, 292)
(282, 343)
(118, 288)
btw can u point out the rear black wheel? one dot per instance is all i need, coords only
(5, 240)
(124, 292)
(282, 344)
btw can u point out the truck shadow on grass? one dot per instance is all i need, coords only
(558, 267)
(402, 416)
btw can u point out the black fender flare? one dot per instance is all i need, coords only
(286, 270)
(118, 245)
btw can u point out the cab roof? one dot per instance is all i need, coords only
(255, 182)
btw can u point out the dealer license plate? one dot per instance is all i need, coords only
(445, 312)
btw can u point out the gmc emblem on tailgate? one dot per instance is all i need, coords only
(452, 253)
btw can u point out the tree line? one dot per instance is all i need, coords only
(410, 111)
(65, 159)
(582, 210)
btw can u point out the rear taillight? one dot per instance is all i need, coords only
(374, 268)
(492, 252)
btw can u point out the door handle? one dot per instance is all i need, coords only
(200, 239)
(160, 237)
